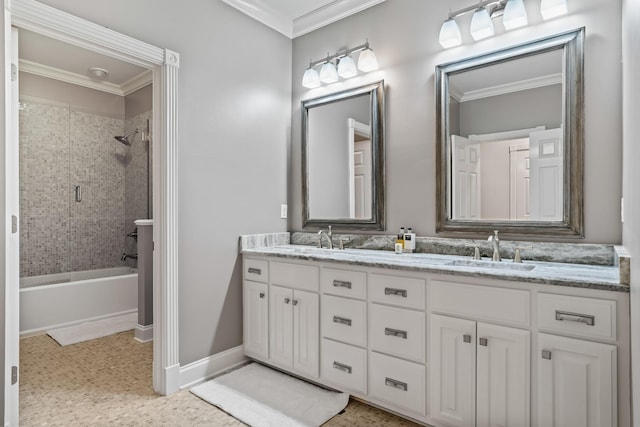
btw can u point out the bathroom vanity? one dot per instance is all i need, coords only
(442, 341)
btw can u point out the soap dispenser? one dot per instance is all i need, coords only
(409, 241)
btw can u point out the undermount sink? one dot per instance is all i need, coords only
(491, 265)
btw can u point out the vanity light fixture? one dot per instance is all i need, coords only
(346, 68)
(513, 13)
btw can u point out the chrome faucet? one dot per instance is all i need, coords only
(496, 245)
(329, 236)
(125, 256)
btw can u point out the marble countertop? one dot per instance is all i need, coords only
(550, 273)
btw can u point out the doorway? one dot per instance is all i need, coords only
(42, 19)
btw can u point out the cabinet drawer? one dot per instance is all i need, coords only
(297, 276)
(344, 320)
(480, 302)
(397, 331)
(402, 291)
(345, 283)
(584, 317)
(256, 270)
(344, 365)
(397, 382)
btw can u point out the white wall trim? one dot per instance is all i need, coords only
(51, 22)
(506, 88)
(204, 369)
(292, 28)
(131, 85)
(143, 333)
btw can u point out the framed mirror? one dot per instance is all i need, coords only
(343, 159)
(510, 140)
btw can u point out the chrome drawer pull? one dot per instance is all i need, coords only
(342, 320)
(587, 319)
(483, 342)
(466, 338)
(396, 384)
(395, 332)
(341, 367)
(546, 354)
(341, 284)
(253, 270)
(261, 294)
(398, 292)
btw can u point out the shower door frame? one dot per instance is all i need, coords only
(164, 63)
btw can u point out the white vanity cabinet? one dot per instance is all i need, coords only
(444, 350)
(577, 378)
(479, 373)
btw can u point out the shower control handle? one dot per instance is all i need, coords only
(78, 193)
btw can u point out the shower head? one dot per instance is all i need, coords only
(125, 138)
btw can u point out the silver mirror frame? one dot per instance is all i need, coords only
(572, 224)
(377, 220)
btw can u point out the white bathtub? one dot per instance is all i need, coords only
(66, 299)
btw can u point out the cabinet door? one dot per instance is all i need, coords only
(503, 372)
(306, 332)
(452, 350)
(281, 326)
(255, 303)
(577, 384)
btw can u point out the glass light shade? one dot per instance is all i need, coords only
(347, 67)
(515, 15)
(367, 61)
(450, 34)
(310, 79)
(481, 25)
(552, 8)
(328, 73)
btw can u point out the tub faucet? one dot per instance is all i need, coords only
(328, 235)
(496, 245)
(125, 256)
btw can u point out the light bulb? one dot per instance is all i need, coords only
(367, 61)
(552, 8)
(347, 68)
(515, 15)
(328, 73)
(310, 79)
(481, 25)
(450, 34)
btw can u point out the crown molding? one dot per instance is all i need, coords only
(325, 15)
(137, 82)
(504, 89)
(328, 14)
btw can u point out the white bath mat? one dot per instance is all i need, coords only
(93, 329)
(263, 397)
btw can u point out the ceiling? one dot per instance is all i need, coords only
(55, 59)
(294, 18)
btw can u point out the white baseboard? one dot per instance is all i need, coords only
(143, 333)
(43, 330)
(204, 369)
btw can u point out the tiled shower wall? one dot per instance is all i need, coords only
(136, 178)
(61, 148)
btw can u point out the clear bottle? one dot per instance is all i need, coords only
(400, 239)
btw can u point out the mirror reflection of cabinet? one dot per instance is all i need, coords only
(510, 149)
(343, 159)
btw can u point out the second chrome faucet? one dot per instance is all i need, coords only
(328, 235)
(496, 245)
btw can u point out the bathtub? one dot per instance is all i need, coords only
(66, 299)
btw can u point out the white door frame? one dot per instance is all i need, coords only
(164, 63)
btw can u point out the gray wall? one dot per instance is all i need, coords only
(234, 114)
(535, 107)
(404, 35)
(138, 102)
(328, 152)
(631, 178)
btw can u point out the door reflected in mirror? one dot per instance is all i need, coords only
(510, 128)
(343, 161)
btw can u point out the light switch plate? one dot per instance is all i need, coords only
(283, 211)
